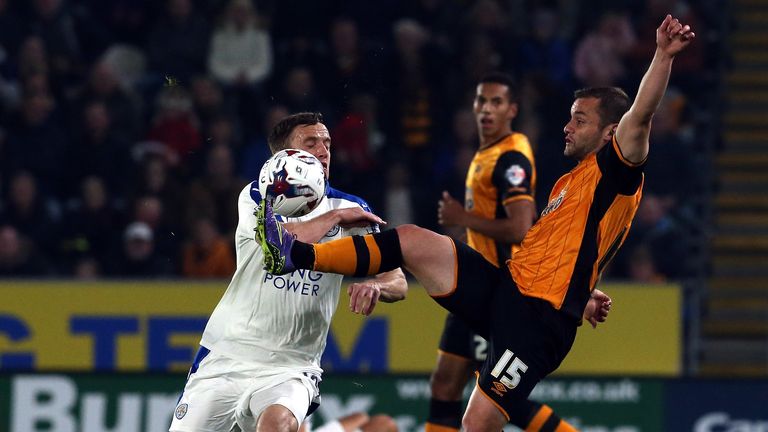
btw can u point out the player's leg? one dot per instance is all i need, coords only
(210, 395)
(429, 256)
(277, 418)
(282, 407)
(529, 339)
(447, 383)
(484, 415)
(457, 357)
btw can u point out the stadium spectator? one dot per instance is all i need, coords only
(207, 254)
(166, 233)
(88, 226)
(37, 143)
(87, 268)
(178, 43)
(256, 152)
(300, 94)
(351, 67)
(241, 49)
(600, 57)
(101, 151)
(211, 194)
(18, 256)
(413, 110)
(63, 35)
(175, 125)
(123, 106)
(30, 212)
(240, 58)
(138, 257)
(357, 137)
(156, 179)
(210, 103)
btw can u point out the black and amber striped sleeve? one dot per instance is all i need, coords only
(512, 177)
(624, 175)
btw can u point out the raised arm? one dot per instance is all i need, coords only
(635, 126)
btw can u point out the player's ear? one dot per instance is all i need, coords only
(512, 110)
(610, 131)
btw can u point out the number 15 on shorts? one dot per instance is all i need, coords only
(514, 368)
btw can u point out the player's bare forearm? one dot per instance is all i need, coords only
(635, 126)
(509, 230)
(314, 229)
(652, 88)
(394, 286)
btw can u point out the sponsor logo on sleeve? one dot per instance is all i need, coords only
(181, 411)
(515, 175)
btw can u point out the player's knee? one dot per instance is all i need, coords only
(277, 418)
(413, 236)
(472, 423)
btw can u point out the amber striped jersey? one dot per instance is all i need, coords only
(588, 217)
(498, 175)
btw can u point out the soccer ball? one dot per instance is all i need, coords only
(294, 182)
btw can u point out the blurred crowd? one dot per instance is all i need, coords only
(128, 127)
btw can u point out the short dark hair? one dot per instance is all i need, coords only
(278, 137)
(614, 102)
(503, 79)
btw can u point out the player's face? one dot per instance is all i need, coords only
(583, 134)
(314, 139)
(493, 111)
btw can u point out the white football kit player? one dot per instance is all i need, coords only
(263, 342)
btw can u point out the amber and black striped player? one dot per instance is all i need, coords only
(529, 310)
(498, 210)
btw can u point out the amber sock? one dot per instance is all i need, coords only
(353, 256)
(545, 420)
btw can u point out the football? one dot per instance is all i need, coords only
(294, 181)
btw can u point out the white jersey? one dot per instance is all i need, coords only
(278, 321)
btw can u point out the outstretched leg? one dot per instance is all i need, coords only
(429, 256)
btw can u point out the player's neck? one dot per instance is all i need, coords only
(486, 142)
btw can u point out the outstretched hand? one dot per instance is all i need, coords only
(597, 309)
(672, 36)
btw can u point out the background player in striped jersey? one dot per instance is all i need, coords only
(258, 367)
(498, 210)
(530, 310)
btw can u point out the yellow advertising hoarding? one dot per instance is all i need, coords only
(148, 325)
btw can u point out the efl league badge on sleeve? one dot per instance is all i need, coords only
(181, 411)
(515, 175)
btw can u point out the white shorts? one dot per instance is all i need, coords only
(229, 395)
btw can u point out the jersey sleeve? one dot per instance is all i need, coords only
(512, 177)
(625, 175)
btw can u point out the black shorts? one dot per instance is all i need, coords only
(459, 340)
(527, 337)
